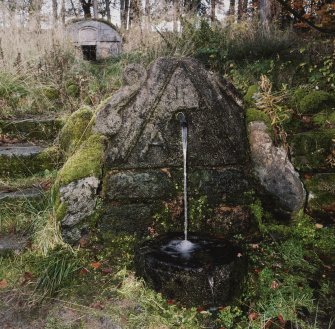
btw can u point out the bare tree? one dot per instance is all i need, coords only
(86, 6)
(95, 8)
(54, 11)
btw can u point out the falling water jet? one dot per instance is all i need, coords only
(183, 124)
(183, 265)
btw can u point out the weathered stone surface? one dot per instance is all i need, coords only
(128, 218)
(211, 274)
(138, 185)
(102, 35)
(79, 198)
(26, 159)
(150, 134)
(27, 193)
(310, 149)
(12, 243)
(144, 161)
(274, 170)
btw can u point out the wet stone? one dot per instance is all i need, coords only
(208, 273)
(128, 218)
(11, 244)
(27, 193)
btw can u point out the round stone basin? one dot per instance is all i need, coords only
(203, 271)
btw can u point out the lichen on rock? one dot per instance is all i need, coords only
(75, 192)
(274, 170)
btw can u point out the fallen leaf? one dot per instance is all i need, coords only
(281, 320)
(27, 277)
(170, 301)
(97, 305)
(84, 271)
(317, 225)
(274, 284)
(107, 270)
(254, 245)
(45, 186)
(166, 171)
(96, 265)
(3, 283)
(268, 324)
(253, 316)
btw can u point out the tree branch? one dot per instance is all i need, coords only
(303, 19)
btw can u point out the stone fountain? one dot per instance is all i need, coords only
(130, 159)
(194, 269)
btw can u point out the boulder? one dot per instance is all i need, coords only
(274, 169)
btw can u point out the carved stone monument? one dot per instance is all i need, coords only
(143, 169)
(132, 162)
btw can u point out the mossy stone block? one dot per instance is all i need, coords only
(321, 189)
(249, 96)
(324, 119)
(317, 101)
(17, 165)
(76, 130)
(32, 129)
(86, 162)
(310, 149)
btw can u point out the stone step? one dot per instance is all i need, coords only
(26, 159)
(11, 243)
(21, 194)
(31, 129)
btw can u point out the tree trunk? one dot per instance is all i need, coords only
(231, 7)
(54, 12)
(213, 8)
(62, 12)
(135, 12)
(124, 5)
(265, 12)
(86, 6)
(147, 13)
(176, 15)
(95, 9)
(239, 10)
(108, 10)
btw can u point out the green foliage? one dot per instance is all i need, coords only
(249, 97)
(317, 101)
(56, 270)
(228, 316)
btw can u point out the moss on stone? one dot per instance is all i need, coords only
(248, 97)
(73, 90)
(324, 119)
(310, 149)
(50, 92)
(254, 114)
(76, 130)
(19, 166)
(39, 129)
(316, 101)
(85, 162)
(321, 189)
